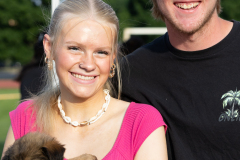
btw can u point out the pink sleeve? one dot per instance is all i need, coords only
(147, 121)
(22, 120)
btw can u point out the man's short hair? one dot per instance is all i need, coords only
(158, 15)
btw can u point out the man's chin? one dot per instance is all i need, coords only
(188, 30)
(189, 26)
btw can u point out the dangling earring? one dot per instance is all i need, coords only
(112, 71)
(49, 63)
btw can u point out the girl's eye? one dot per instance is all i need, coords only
(73, 48)
(102, 52)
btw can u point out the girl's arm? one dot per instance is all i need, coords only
(9, 140)
(154, 147)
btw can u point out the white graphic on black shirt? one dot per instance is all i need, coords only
(231, 101)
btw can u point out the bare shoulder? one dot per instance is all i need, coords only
(120, 103)
(119, 106)
(9, 140)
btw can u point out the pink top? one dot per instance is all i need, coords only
(139, 122)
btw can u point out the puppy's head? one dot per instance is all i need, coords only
(35, 146)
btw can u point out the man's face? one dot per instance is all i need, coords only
(187, 16)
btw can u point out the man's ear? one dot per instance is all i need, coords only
(47, 45)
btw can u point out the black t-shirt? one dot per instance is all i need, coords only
(197, 93)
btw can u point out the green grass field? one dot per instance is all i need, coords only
(5, 107)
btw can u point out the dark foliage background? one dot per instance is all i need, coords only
(20, 23)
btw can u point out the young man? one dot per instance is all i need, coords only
(192, 76)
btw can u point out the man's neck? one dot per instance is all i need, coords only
(215, 30)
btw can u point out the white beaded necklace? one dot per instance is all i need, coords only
(91, 120)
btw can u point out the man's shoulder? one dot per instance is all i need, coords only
(235, 21)
(156, 43)
(236, 27)
(156, 46)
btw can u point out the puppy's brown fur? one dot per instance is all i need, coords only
(37, 146)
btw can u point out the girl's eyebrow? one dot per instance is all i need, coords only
(79, 44)
(72, 42)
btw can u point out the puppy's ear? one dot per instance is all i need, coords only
(53, 150)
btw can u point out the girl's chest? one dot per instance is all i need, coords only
(98, 141)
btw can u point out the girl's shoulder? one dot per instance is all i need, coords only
(145, 111)
(23, 108)
(22, 119)
(139, 121)
(137, 112)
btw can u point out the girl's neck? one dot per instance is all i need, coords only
(82, 109)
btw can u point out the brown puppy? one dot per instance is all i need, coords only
(38, 146)
(35, 146)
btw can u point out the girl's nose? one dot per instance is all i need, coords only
(87, 63)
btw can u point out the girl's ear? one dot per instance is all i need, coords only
(47, 45)
(114, 56)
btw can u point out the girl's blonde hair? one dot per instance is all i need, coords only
(45, 103)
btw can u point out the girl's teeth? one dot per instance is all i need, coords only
(82, 77)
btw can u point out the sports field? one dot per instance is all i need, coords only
(9, 99)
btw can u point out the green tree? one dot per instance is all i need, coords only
(20, 21)
(230, 10)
